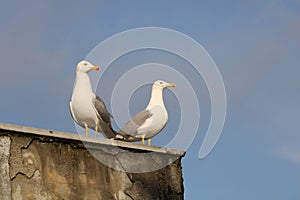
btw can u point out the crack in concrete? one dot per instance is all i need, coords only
(77, 146)
(28, 145)
(23, 174)
(128, 195)
(129, 177)
(122, 162)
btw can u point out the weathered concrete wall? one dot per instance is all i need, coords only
(41, 164)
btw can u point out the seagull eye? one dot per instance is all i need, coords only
(85, 64)
(160, 82)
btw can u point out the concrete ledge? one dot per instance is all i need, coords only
(103, 141)
(45, 164)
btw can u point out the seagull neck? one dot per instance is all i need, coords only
(156, 98)
(83, 80)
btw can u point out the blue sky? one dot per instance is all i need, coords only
(255, 44)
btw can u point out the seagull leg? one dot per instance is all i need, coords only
(96, 129)
(86, 130)
(149, 141)
(143, 140)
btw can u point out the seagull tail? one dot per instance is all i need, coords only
(126, 137)
(107, 130)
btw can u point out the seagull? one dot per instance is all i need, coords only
(149, 122)
(87, 109)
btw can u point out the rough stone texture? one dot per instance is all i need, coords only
(5, 187)
(47, 166)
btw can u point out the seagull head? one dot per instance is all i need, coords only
(159, 84)
(85, 66)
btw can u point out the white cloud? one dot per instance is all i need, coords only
(290, 153)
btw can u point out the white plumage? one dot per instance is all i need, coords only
(149, 122)
(87, 109)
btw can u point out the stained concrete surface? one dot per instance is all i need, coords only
(39, 164)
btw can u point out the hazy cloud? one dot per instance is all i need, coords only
(290, 153)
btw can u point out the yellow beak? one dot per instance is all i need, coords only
(171, 85)
(97, 68)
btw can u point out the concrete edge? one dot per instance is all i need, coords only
(77, 137)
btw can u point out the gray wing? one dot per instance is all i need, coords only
(102, 110)
(130, 128)
(105, 117)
